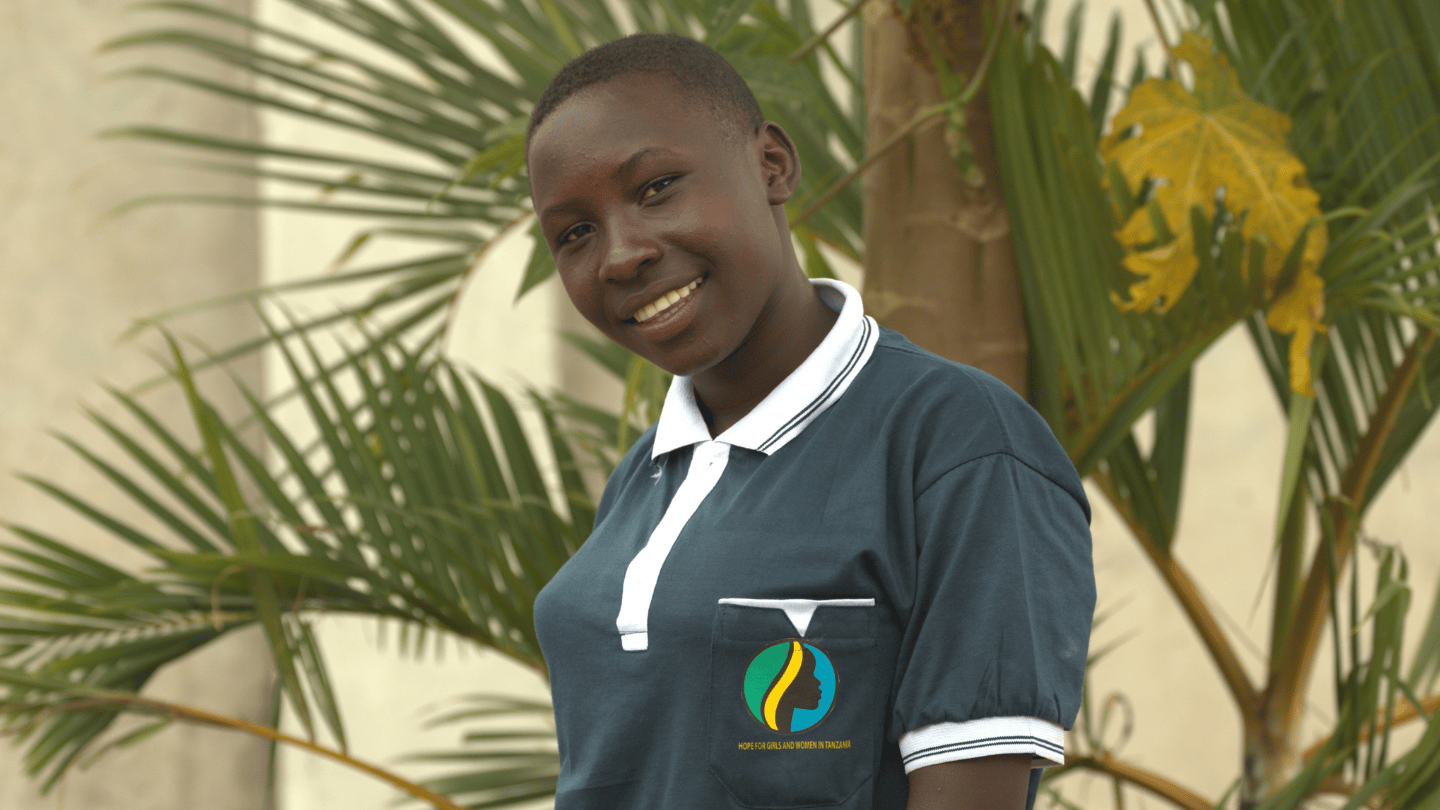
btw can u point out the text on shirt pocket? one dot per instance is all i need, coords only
(794, 703)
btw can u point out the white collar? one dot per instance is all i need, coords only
(811, 388)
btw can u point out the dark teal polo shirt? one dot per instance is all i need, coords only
(884, 566)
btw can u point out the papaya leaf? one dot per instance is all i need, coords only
(1199, 147)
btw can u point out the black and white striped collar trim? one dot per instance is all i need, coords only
(797, 400)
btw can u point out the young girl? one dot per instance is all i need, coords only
(840, 571)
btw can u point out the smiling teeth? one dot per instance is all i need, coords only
(664, 302)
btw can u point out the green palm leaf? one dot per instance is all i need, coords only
(1096, 370)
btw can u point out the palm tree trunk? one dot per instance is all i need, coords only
(938, 264)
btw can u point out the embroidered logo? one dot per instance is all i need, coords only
(790, 686)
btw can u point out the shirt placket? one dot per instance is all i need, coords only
(706, 466)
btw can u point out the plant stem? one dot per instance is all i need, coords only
(1133, 774)
(1286, 691)
(804, 50)
(85, 700)
(922, 117)
(1164, 43)
(1403, 712)
(1338, 785)
(1183, 588)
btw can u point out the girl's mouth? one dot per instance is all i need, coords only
(665, 302)
(669, 315)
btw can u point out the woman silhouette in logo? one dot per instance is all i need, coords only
(796, 687)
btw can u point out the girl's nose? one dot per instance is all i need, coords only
(631, 249)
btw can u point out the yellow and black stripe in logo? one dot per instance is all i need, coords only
(790, 686)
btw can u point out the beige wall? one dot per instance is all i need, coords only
(70, 285)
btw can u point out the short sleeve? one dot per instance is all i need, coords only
(992, 659)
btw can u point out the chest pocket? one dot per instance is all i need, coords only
(794, 703)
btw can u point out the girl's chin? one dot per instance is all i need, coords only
(686, 361)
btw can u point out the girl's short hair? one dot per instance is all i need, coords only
(696, 67)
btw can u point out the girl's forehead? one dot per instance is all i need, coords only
(611, 127)
(636, 106)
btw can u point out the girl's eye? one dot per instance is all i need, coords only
(573, 234)
(656, 187)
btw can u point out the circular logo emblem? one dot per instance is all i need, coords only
(790, 686)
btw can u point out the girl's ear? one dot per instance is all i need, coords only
(779, 163)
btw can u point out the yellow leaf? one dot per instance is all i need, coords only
(1297, 312)
(1195, 143)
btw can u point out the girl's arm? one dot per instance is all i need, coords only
(985, 783)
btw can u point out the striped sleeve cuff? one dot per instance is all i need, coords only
(946, 742)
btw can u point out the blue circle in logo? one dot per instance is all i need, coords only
(790, 686)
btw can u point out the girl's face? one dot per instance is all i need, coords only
(667, 230)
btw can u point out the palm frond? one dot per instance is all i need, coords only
(1351, 80)
(1369, 126)
(1095, 369)
(366, 522)
(1367, 122)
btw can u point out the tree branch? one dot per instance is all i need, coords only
(1183, 588)
(1141, 778)
(1286, 691)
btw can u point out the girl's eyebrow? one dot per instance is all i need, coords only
(620, 171)
(630, 162)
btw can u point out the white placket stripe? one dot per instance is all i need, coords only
(706, 466)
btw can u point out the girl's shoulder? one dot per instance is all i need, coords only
(955, 413)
